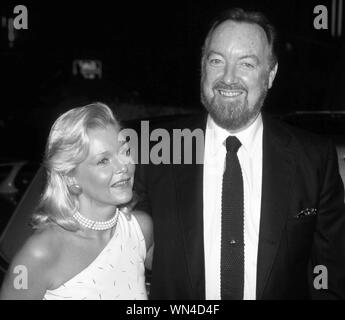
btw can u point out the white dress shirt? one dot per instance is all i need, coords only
(250, 158)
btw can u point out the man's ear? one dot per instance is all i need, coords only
(272, 75)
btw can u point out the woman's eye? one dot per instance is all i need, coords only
(103, 161)
(128, 152)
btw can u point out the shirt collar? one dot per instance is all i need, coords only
(248, 137)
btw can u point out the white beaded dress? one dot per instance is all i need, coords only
(117, 273)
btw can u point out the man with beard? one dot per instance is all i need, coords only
(263, 217)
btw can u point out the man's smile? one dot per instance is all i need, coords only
(230, 93)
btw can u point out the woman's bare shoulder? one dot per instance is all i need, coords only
(144, 219)
(146, 225)
(35, 262)
(42, 246)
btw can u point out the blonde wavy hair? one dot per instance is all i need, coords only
(68, 146)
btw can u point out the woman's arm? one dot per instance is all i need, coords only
(146, 225)
(29, 274)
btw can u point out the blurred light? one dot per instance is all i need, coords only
(88, 69)
(340, 18)
(11, 35)
(334, 3)
(288, 46)
(4, 22)
(336, 30)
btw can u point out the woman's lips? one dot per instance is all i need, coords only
(121, 183)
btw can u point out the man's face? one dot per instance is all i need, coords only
(236, 74)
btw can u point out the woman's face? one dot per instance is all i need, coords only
(106, 175)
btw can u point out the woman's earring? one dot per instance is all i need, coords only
(75, 189)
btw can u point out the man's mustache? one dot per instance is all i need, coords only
(232, 86)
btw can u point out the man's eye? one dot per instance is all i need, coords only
(103, 161)
(248, 65)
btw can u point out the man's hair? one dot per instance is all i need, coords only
(68, 146)
(242, 16)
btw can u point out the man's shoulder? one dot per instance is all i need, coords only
(284, 130)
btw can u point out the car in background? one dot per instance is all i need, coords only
(328, 123)
(15, 177)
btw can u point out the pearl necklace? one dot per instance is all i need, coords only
(97, 225)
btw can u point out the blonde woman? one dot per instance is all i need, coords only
(86, 246)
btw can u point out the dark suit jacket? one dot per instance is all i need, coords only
(300, 170)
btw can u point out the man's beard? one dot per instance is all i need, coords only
(233, 115)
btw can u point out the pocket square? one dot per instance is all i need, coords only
(307, 212)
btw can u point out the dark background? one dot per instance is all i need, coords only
(150, 53)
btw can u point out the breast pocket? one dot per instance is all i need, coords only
(300, 234)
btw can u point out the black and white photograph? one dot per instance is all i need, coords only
(173, 150)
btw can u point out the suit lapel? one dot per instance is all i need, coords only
(189, 192)
(278, 170)
(190, 212)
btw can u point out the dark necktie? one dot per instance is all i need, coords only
(232, 244)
